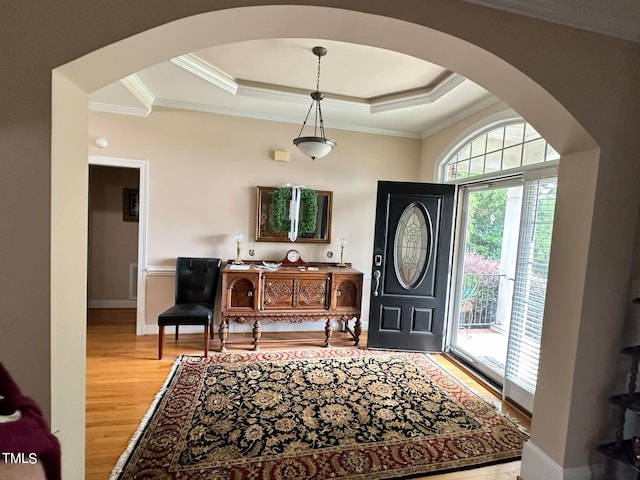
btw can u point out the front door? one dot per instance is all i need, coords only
(410, 272)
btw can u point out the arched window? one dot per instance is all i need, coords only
(513, 145)
(507, 181)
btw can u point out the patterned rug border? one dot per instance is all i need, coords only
(292, 355)
(135, 438)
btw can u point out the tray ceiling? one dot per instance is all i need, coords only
(367, 89)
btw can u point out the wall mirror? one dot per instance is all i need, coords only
(264, 209)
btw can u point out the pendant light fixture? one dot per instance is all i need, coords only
(315, 146)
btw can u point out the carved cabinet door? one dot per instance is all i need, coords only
(312, 292)
(277, 292)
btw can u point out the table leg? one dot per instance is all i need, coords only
(224, 331)
(256, 335)
(327, 333)
(357, 330)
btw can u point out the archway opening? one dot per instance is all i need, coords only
(73, 81)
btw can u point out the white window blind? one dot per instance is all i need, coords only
(530, 283)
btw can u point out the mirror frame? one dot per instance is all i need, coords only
(263, 232)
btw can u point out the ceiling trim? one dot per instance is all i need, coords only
(194, 64)
(467, 112)
(235, 112)
(136, 86)
(119, 109)
(300, 98)
(385, 103)
(414, 99)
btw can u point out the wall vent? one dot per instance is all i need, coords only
(133, 281)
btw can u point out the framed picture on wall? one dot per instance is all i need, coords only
(130, 204)
(264, 211)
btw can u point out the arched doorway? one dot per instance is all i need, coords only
(72, 81)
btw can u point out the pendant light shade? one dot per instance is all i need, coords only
(316, 146)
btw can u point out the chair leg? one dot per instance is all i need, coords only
(160, 341)
(206, 340)
(211, 330)
(176, 332)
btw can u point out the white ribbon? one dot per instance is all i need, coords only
(294, 212)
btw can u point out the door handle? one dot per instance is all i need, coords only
(376, 276)
(377, 260)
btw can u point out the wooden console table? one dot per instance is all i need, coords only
(290, 294)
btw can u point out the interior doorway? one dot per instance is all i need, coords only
(117, 235)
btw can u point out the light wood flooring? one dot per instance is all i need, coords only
(124, 375)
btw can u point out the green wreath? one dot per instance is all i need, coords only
(279, 218)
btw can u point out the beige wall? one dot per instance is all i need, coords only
(578, 89)
(203, 173)
(113, 243)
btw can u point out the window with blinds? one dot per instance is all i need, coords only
(530, 283)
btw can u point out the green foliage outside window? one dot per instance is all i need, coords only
(486, 222)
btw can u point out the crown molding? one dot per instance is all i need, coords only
(194, 64)
(414, 99)
(467, 112)
(136, 86)
(207, 72)
(119, 109)
(299, 97)
(386, 103)
(236, 112)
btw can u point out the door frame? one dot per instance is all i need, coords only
(523, 174)
(461, 218)
(143, 209)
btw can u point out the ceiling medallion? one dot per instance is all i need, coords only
(315, 146)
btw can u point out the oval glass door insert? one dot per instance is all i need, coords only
(412, 246)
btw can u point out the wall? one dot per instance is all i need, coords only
(203, 173)
(113, 243)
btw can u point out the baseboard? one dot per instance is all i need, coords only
(537, 465)
(112, 304)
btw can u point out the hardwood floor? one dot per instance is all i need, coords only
(124, 375)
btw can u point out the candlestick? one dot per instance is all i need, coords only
(238, 237)
(343, 243)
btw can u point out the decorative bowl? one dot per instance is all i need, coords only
(271, 266)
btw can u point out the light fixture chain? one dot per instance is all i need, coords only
(315, 146)
(305, 119)
(321, 121)
(318, 79)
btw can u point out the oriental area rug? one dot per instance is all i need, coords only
(315, 414)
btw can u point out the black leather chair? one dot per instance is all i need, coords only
(196, 286)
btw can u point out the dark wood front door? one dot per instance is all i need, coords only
(410, 270)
